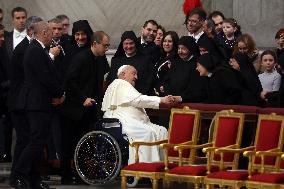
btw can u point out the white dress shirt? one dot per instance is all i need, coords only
(18, 37)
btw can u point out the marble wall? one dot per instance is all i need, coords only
(261, 18)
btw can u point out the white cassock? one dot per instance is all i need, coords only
(124, 102)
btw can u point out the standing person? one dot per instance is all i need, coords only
(17, 95)
(160, 34)
(183, 79)
(194, 21)
(218, 18)
(43, 91)
(219, 90)
(80, 40)
(148, 46)
(270, 79)
(124, 102)
(13, 38)
(3, 94)
(169, 54)
(128, 53)
(84, 93)
(245, 44)
(65, 23)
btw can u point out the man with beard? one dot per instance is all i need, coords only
(148, 46)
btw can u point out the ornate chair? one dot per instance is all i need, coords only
(269, 136)
(183, 129)
(268, 179)
(228, 127)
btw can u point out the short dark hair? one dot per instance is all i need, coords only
(199, 11)
(150, 21)
(211, 24)
(1, 10)
(216, 13)
(18, 9)
(1, 27)
(98, 36)
(162, 28)
(270, 52)
(62, 17)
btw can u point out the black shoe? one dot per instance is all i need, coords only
(13, 182)
(21, 184)
(40, 185)
(68, 181)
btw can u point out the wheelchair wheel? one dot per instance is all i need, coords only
(98, 158)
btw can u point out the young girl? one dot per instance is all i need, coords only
(270, 79)
(230, 33)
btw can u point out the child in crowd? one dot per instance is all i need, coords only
(270, 79)
(230, 33)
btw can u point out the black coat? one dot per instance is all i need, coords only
(4, 83)
(223, 87)
(18, 91)
(143, 66)
(41, 78)
(84, 79)
(9, 43)
(151, 50)
(184, 80)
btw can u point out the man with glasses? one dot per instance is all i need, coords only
(84, 93)
(194, 21)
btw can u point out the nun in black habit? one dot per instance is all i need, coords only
(183, 79)
(128, 54)
(247, 76)
(223, 86)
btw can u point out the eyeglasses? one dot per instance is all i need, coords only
(192, 21)
(105, 45)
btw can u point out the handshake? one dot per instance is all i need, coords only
(169, 101)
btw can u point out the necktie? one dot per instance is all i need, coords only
(19, 34)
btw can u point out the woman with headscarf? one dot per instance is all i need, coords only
(246, 74)
(80, 40)
(223, 86)
(128, 54)
(183, 79)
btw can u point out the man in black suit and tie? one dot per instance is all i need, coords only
(43, 92)
(84, 93)
(13, 38)
(17, 94)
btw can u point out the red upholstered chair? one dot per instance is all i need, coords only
(269, 137)
(183, 129)
(268, 178)
(228, 127)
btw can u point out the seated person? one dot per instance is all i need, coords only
(124, 102)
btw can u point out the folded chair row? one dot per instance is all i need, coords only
(222, 153)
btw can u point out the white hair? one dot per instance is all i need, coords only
(122, 69)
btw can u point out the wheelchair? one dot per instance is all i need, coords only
(100, 154)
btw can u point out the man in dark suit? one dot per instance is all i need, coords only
(84, 93)
(17, 94)
(13, 38)
(148, 46)
(43, 92)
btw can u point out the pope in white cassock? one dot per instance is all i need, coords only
(124, 102)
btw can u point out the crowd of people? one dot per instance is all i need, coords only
(53, 84)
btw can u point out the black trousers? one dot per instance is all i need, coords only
(71, 132)
(28, 164)
(21, 125)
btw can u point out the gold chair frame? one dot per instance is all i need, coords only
(165, 145)
(250, 153)
(209, 149)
